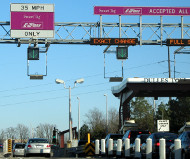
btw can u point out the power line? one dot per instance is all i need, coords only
(14, 89)
(41, 100)
(50, 90)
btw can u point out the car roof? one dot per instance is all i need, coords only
(163, 133)
(19, 143)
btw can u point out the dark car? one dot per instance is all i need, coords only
(169, 137)
(132, 135)
(185, 146)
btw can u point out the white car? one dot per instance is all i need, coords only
(18, 149)
(37, 146)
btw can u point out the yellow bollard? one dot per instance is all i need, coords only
(88, 138)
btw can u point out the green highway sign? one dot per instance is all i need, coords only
(122, 53)
(33, 53)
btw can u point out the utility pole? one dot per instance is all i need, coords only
(169, 70)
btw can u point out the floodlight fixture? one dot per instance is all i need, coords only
(59, 81)
(80, 80)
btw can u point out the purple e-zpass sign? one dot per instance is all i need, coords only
(32, 20)
(109, 10)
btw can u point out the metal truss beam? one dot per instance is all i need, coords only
(81, 32)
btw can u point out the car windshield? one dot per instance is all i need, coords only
(19, 146)
(38, 141)
(115, 137)
(166, 136)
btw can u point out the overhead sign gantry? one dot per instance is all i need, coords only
(29, 25)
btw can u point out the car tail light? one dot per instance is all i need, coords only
(48, 146)
(140, 132)
(129, 135)
(157, 144)
(29, 146)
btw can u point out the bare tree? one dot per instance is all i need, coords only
(2, 135)
(113, 124)
(23, 132)
(40, 131)
(11, 133)
(97, 123)
(45, 131)
(48, 129)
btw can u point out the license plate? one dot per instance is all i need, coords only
(39, 146)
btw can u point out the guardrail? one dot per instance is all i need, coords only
(125, 151)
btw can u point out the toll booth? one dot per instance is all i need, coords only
(62, 136)
(148, 87)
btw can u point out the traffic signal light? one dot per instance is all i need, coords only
(33, 53)
(122, 53)
(9, 145)
(54, 136)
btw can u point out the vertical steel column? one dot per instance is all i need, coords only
(161, 30)
(140, 28)
(174, 64)
(182, 27)
(169, 70)
(70, 120)
(100, 26)
(119, 26)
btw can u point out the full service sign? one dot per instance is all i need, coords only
(178, 42)
(32, 20)
(113, 41)
(109, 10)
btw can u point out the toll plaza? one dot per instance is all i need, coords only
(148, 87)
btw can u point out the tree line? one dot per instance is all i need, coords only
(23, 132)
(176, 110)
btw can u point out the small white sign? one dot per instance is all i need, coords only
(23, 7)
(163, 125)
(32, 33)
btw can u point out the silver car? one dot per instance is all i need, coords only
(18, 149)
(37, 146)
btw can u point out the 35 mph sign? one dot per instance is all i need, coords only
(32, 20)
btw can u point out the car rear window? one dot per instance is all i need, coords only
(38, 141)
(188, 134)
(144, 137)
(133, 135)
(166, 136)
(19, 146)
(115, 137)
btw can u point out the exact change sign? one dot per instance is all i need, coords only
(163, 125)
(32, 20)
